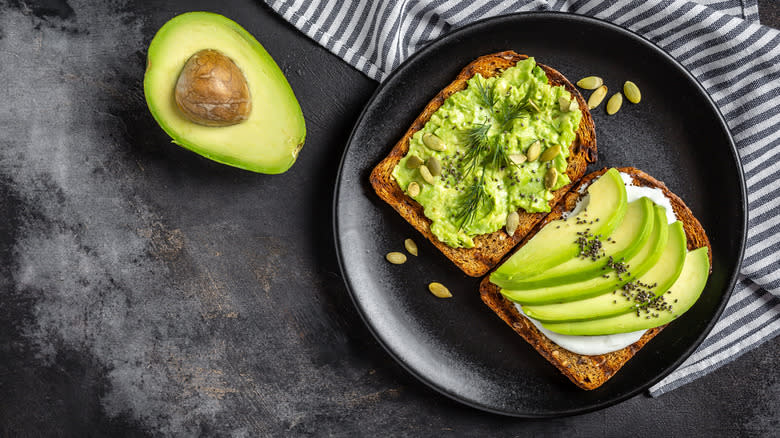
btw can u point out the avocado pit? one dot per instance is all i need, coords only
(212, 90)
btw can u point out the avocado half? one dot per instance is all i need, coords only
(269, 139)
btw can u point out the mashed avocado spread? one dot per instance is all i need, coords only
(484, 129)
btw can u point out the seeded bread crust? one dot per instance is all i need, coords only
(490, 248)
(589, 372)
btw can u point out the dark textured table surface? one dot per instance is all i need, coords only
(148, 291)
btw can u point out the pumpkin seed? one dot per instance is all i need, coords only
(512, 221)
(614, 103)
(550, 178)
(563, 103)
(433, 142)
(410, 246)
(413, 190)
(439, 290)
(590, 83)
(396, 258)
(413, 162)
(434, 166)
(574, 105)
(534, 150)
(518, 158)
(632, 92)
(550, 153)
(597, 96)
(426, 174)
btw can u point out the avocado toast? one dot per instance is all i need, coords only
(590, 371)
(489, 248)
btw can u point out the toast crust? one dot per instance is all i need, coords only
(490, 248)
(589, 372)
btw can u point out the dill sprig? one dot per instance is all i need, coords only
(475, 196)
(477, 145)
(486, 94)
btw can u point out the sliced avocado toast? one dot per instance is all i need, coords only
(666, 289)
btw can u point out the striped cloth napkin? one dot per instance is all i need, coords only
(720, 41)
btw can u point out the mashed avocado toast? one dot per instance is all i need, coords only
(508, 135)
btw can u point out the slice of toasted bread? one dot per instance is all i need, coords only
(490, 248)
(589, 372)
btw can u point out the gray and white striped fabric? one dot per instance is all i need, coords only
(720, 41)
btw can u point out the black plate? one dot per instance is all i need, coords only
(459, 346)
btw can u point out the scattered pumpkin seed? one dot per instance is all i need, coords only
(396, 258)
(632, 92)
(564, 103)
(614, 103)
(534, 150)
(426, 174)
(439, 290)
(590, 83)
(433, 142)
(518, 158)
(512, 221)
(413, 189)
(574, 105)
(410, 246)
(434, 166)
(550, 178)
(595, 99)
(550, 153)
(413, 162)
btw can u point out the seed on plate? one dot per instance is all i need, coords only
(413, 162)
(512, 221)
(632, 92)
(534, 150)
(595, 99)
(563, 103)
(410, 246)
(518, 158)
(434, 166)
(433, 142)
(396, 258)
(550, 178)
(413, 190)
(439, 290)
(590, 83)
(614, 103)
(426, 174)
(550, 153)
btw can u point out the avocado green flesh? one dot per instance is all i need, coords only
(637, 266)
(627, 239)
(682, 296)
(556, 243)
(270, 139)
(509, 188)
(663, 274)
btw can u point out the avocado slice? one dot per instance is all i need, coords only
(681, 297)
(265, 129)
(637, 265)
(627, 239)
(556, 242)
(661, 276)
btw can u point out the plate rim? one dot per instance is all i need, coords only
(433, 46)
